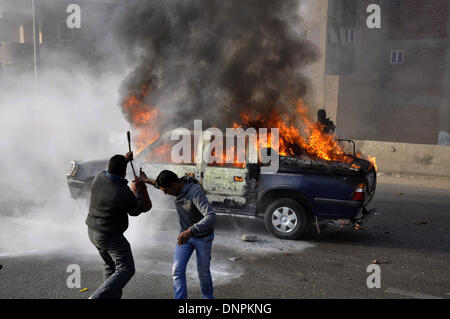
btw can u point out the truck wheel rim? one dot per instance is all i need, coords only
(284, 219)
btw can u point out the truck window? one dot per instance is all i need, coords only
(230, 150)
(160, 151)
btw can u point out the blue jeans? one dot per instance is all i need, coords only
(119, 264)
(202, 247)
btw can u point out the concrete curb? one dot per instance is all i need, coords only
(433, 160)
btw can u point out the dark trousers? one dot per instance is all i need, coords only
(119, 263)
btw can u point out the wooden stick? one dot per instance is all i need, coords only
(129, 148)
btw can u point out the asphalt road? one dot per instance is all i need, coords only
(410, 237)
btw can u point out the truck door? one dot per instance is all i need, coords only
(226, 184)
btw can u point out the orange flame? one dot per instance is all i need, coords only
(373, 160)
(311, 140)
(298, 134)
(144, 118)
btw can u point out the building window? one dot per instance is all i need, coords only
(349, 36)
(346, 36)
(64, 33)
(396, 3)
(397, 57)
(21, 34)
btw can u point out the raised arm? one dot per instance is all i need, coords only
(144, 204)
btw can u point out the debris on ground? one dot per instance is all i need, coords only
(400, 193)
(422, 222)
(234, 258)
(379, 262)
(1, 266)
(249, 238)
(286, 254)
(83, 290)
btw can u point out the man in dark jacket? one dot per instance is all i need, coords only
(111, 202)
(197, 219)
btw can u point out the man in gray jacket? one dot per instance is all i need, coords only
(197, 219)
(110, 204)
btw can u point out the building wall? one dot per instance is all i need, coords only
(406, 102)
(323, 89)
(57, 45)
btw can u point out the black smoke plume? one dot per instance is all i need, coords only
(214, 59)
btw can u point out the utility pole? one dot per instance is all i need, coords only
(34, 43)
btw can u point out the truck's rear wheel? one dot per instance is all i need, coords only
(285, 218)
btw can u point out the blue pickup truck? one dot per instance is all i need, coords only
(295, 200)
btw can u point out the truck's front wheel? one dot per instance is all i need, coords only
(286, 219)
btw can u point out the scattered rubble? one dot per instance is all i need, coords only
(234, 258)
(250, 238)
(83, 290)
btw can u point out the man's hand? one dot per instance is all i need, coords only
(143, 178)
(129, 157)
(183, 237)
(137, 185)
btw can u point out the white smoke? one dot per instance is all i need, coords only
(71, 113)
(67, 116)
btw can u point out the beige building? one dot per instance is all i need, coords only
(386, 84)
(393, 82)
(16, 35)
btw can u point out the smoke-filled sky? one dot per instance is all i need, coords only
(207, 60)
(203, 59)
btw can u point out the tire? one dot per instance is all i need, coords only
(285, 218)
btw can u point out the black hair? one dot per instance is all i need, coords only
(117, 165)
(166, 178)
(321, 115)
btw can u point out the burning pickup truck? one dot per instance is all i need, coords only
(302, 194)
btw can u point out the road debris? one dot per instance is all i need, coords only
(379, 262)
(400, 193)
(83, 290)
(234, 258)
(422, 222)
(249, 238)
(1, 266)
